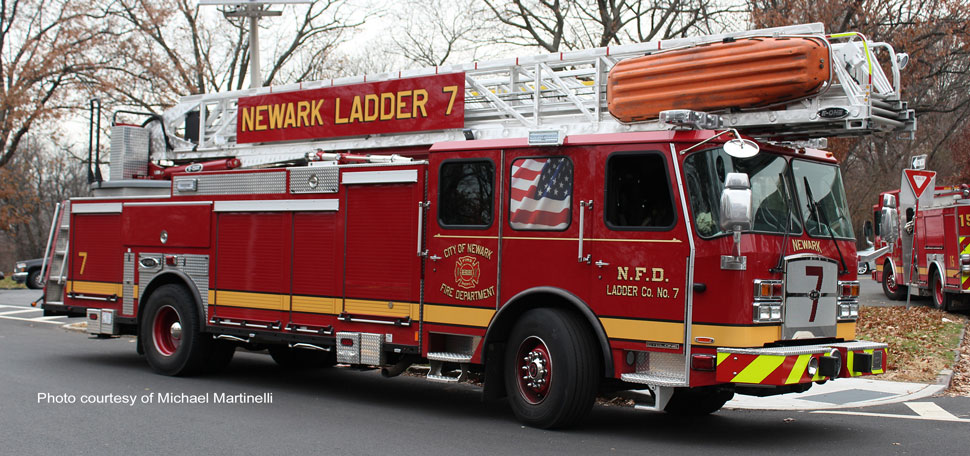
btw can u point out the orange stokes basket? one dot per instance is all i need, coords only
(747, 73)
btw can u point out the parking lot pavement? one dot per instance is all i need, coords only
(16, 305)
(870, 294)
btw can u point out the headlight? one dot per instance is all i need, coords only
(21, 267)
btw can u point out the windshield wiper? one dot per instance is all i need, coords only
(820, 215)
(784, 242)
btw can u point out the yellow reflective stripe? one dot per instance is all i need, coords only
(759, 369)
(265, 301)
(314, 304)
(100, 288)
(736, 336)
(450, 315)
(967, 249)
(845, 331)
(721, 357)
(800, 365)
(660, 331)
(379, 308)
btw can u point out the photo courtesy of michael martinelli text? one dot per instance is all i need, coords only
(154, 398)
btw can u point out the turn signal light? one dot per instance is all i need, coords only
(703, 362)
(848, 289)
(767, 289)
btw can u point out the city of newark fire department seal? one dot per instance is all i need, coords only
(467, 272)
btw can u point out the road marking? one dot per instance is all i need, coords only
(927, 411)
(50, 317)
(930, 410)
(35, 320)
(19, 311)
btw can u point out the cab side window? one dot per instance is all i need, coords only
(541, 193)
(638, 192)
(465, 192)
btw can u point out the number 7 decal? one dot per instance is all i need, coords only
(815, 271)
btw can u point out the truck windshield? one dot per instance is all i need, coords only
(826, 187)
(705, 172)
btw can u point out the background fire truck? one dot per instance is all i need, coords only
(922, 239)
(556, 225)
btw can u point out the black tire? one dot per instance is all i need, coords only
(889, 287)
(698, 401)
(298, 358)
(941, 299)
(170, 351)
(220, 355)
(557, 348)
(34, 280)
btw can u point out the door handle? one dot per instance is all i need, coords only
(434, 257)
(582, 226)
(601, 263)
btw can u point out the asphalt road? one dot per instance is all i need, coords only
(349, 412)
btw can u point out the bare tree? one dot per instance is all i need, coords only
(532, 22)
(173, 49)
(46, 53)
(434, 32)
(936, 34)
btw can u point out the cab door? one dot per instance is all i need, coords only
(462, 258)
(640, 252)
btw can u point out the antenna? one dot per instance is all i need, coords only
(253, 9)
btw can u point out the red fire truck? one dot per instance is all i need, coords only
(555, 225)
(922, 238)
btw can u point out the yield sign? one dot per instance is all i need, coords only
(919, 180)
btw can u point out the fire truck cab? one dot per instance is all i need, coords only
(509, 226)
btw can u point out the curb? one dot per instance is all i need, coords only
(946, 375)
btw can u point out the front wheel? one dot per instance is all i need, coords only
(171, 334)
(551, 369)
(941, 299)
(890, 287)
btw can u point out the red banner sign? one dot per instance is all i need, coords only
(416, 104)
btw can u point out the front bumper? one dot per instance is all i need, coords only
(19, 277)
(800, 364)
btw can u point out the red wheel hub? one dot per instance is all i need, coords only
(534, 369)
(167, 330)
(938, 292)
(891, 282)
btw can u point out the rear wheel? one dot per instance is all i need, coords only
(698, 401)
(890, 287)
(171, 334)
(941, 299)
(551, 369)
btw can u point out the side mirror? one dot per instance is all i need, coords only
(736, 203)
(890, 224)
(867, 232)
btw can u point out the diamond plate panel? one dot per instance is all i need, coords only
(145, 275)
(197, 268)
(314, 179)
(234, 183)
(348, 354)
(128, 286)
(129, 152)
(669, 366)
(372, 349)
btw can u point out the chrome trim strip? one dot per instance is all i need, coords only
(379, 177)
(96, 208)
(172, 203)
(689, 286)
(302, 205)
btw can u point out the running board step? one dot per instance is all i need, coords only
(652, 379)
(437, 375)
(449, 357)
(442, 378)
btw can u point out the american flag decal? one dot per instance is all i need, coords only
(542, 190)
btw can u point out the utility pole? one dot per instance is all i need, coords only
(253, 9)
